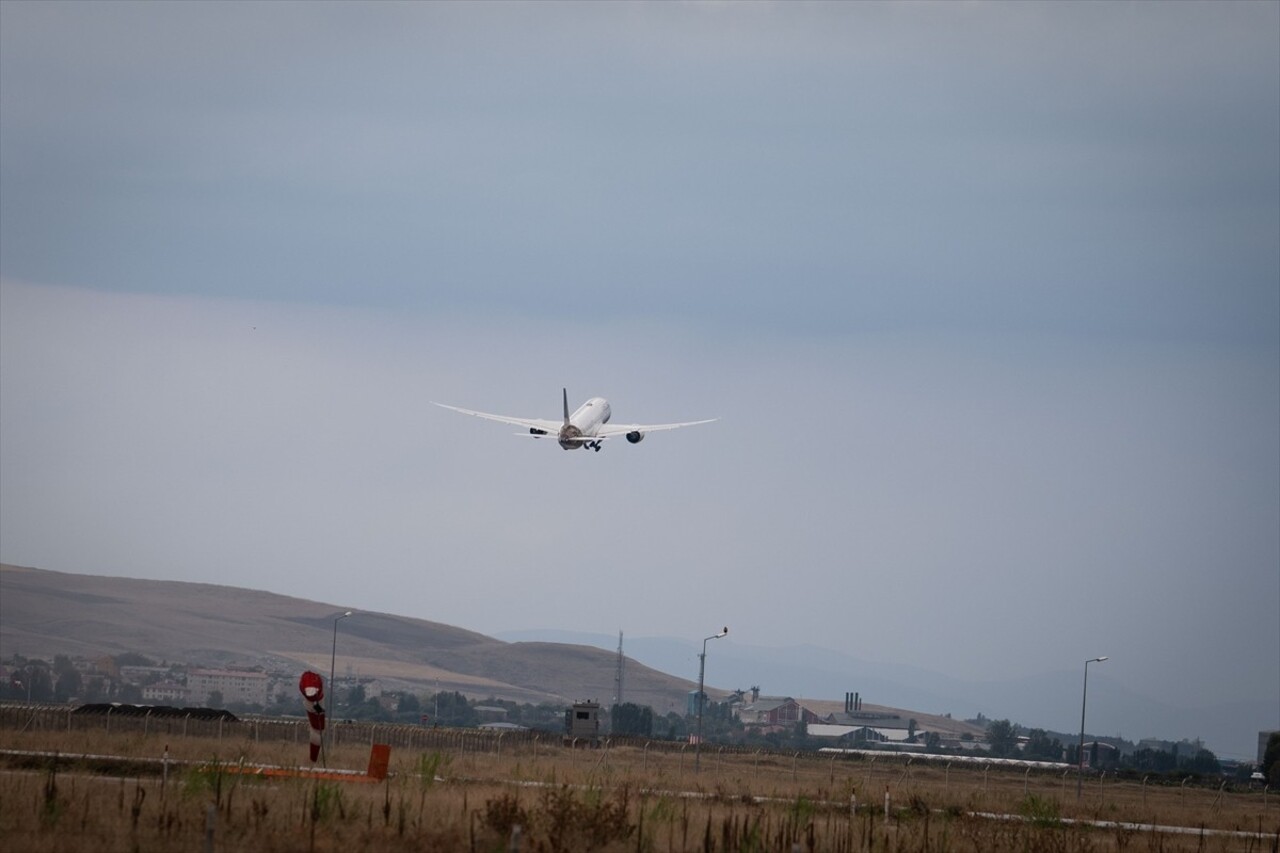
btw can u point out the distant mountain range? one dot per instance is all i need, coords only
(43, 613)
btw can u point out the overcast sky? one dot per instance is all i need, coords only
(986, 297)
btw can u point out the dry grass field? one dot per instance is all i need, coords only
(465, 791)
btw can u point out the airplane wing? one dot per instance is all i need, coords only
(611, 430)
(549, 427)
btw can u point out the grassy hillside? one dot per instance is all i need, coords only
(43, 613)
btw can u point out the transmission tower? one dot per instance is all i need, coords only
(618, 673)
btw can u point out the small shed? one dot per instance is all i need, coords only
(582, 721)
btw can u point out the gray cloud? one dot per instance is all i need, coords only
(1039, 167)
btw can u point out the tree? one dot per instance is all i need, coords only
(453, 709)
(1157, 760)
(215, 699)
(1041, 746)
(33, 680)
(1204, 762)
(68, 682)
(1271, 759)
(1003, 737)
(632, 719)
(133, 659)
(68, 685)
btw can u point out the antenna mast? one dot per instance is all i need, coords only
(618, 673)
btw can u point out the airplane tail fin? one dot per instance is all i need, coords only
(566, 406)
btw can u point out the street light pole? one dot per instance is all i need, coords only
(702, 669)
(1084, 697)
(333, 658)
(333, 693)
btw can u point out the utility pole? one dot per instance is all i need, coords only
(618, 673)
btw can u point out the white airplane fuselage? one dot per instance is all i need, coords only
(584, 424)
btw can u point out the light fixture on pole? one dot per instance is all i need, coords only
(333, 657)
(702, 669)
(1084, 697)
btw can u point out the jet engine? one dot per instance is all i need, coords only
(536, 431)
(635, 436)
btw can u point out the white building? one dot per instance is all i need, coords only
(232, 685)
(164, 692)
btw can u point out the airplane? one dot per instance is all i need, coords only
(587, 427)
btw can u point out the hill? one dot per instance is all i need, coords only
(43, 613)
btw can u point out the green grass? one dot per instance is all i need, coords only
(619, 799)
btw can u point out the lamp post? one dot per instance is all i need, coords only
(333, 657)
(1084, 697)
(702, 669)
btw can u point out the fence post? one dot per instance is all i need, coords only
(210, 821)
(1218, 799)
